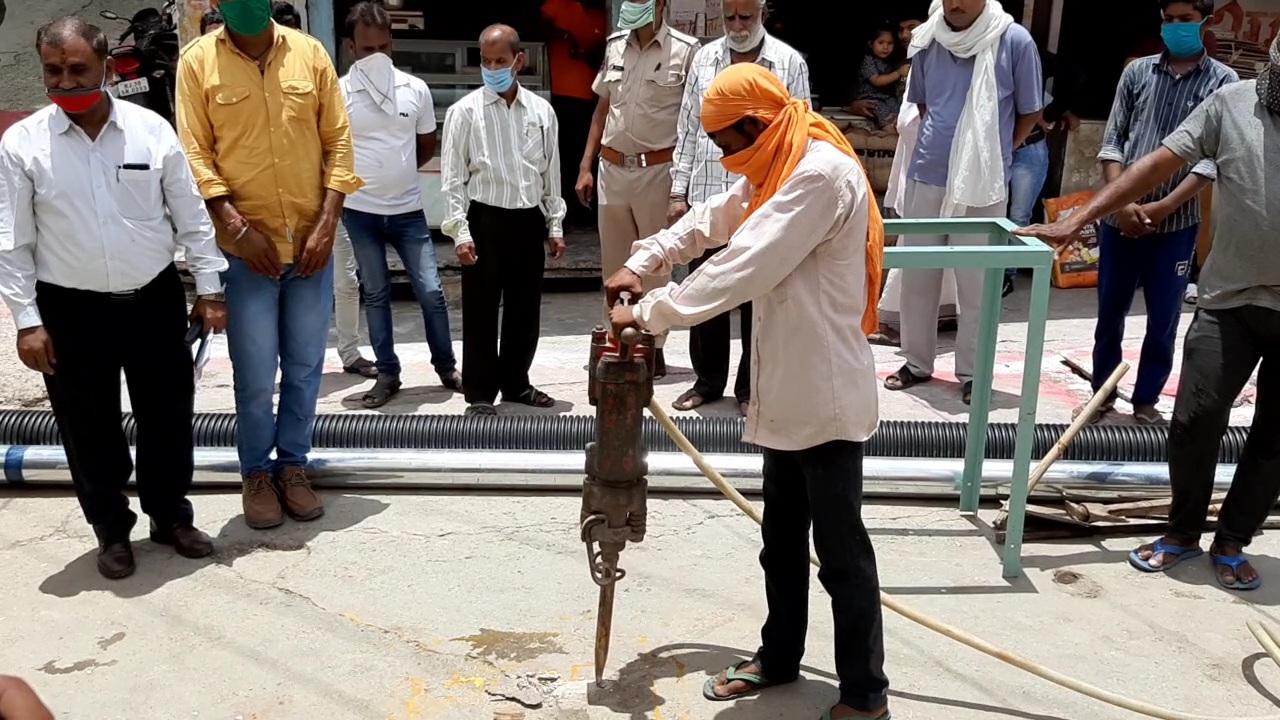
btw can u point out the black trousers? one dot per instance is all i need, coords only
(823, 486)
(574, 115)
(1220, 352)
(95, 336)
(709, 351)
(511, 255)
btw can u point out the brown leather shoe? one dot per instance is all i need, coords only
(300, 501)
(185, 539)
(261, 502)
(115, 560)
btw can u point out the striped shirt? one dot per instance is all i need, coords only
(696, 172)
(499, 155)
(1151, 102)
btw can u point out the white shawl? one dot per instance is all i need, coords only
(975, 177)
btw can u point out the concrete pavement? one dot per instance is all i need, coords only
(408, 607)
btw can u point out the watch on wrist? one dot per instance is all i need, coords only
(217, 297)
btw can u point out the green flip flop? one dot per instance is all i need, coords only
(733, 674)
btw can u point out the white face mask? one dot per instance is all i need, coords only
(745, 41)
(376, 73)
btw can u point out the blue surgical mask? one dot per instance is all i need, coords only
(498, 81)
(1183, 40)
(633, 15)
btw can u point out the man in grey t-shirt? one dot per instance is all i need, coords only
(1236, 326)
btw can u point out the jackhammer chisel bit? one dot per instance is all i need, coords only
(615, 489)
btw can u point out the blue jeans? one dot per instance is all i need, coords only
(409, 235)
(1161, 263)
(276, 324)
(1027, 176)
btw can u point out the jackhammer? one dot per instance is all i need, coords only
(615, 490)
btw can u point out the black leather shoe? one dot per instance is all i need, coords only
(115, 560)
(188, 541)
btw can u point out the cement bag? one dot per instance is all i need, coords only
(1077, 263)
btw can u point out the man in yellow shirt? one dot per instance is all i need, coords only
(265, 129)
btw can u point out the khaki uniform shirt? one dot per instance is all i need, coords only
(644, 87)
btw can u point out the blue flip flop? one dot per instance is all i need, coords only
(1178, 554)
(1234, 563)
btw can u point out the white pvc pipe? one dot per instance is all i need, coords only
(46, 465)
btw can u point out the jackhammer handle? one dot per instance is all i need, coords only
(624, 298)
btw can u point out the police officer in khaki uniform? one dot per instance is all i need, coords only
(633, 132)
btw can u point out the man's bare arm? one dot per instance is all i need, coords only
(1136, 181)
(598, 119)
(19, 702)
(1023, 127)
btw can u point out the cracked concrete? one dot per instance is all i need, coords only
(447, 606)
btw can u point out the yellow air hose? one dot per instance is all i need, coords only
(1265, 636)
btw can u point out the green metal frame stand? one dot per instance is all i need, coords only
(1005, 250)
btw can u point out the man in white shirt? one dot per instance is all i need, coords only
(500, 170)
(393, 130)
(697, 175)
(86, 268)
(801, 238)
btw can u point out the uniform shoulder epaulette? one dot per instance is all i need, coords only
(619, 34)
(683, 37)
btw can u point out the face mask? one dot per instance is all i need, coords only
(1269, 81)
(498, 81)
(745, 42)
(246, 17)
(79, 100)
(635, 15)
(376, 73)
(1182, 39)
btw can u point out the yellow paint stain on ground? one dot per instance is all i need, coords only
(575, 671)
(459, 680)
(413, 709)
(353, 618)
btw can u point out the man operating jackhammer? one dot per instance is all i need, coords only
(805, 244)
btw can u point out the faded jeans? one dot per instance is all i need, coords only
(1027, 176)
(408, 233)
(276, 325)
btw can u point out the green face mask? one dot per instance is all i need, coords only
(246, 17)
(634, 15)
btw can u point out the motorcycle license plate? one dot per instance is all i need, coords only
(132, 87)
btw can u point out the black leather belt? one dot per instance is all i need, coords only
(1036, 136)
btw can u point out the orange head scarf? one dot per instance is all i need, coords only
(748, 90)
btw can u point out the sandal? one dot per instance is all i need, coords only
(732, 674)
(481, 409)
(362, 367)
(533, 397)
(1104, 410)
(904, 379)
(690, 400)
(1233, 563)
(381, 392)
(452, 381)
(1160, 547)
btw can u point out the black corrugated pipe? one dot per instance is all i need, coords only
(896, 438)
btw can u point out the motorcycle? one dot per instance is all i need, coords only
(146, 59)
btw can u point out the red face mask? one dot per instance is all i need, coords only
(78, 101)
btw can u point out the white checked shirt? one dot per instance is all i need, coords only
(696, 172)
(102, 222)
(506, 157)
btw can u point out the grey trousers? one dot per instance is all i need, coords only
(922, 289)
(346, 298)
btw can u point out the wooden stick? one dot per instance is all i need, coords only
(1060, 448)
(1083, 373)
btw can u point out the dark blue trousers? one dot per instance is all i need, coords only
(1161, 264)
